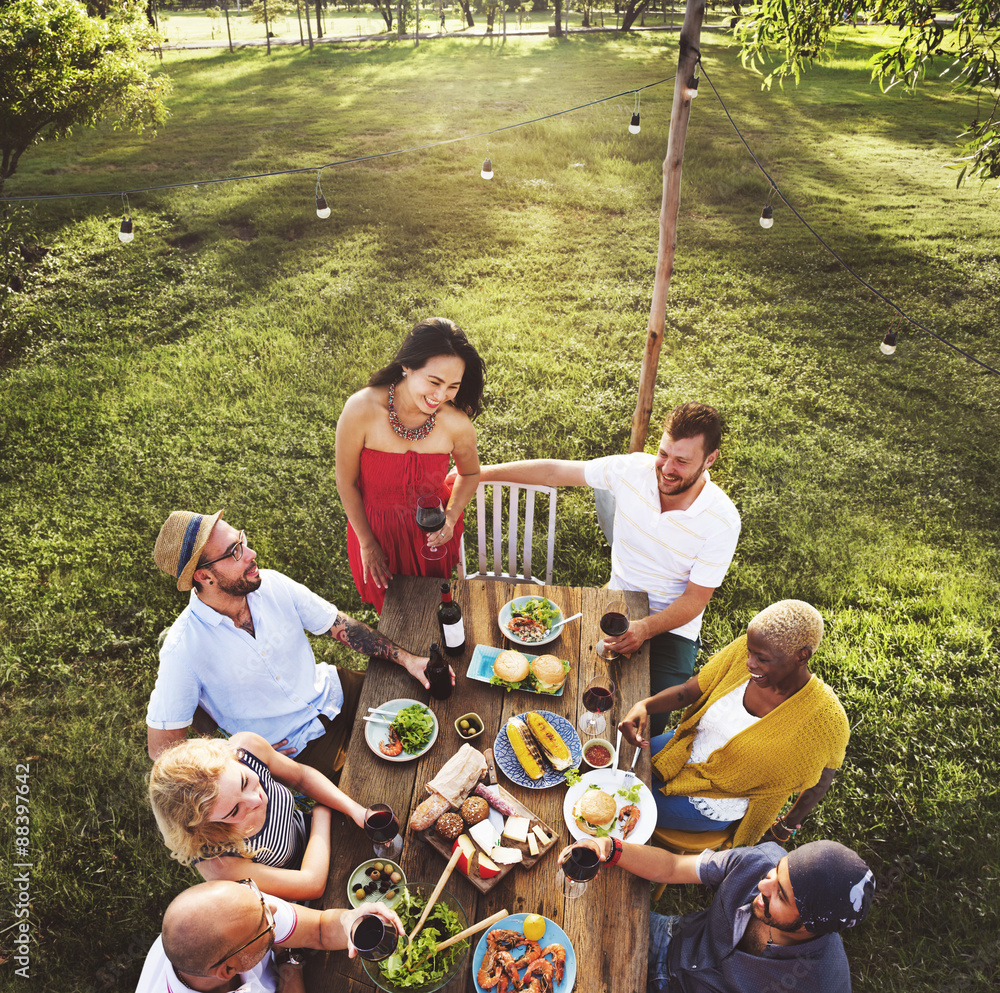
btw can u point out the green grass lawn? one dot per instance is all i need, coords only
(206, 364)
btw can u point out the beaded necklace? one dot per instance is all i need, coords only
(409, 434)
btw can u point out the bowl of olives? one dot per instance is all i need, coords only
(469, 726)
(375, 881)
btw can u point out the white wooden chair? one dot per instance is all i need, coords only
(491, 538)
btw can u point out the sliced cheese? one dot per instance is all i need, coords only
(506, 856)
(484, 835)
(516, 828)
(532, 844)
(540, 834)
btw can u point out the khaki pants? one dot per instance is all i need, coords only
(328, 752)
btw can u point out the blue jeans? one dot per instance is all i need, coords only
(671, 662)
(660, 930)
(678, 813)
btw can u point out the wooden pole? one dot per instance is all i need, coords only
(690, 39)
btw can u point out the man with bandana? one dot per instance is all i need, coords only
(238, 657)
(773, 926)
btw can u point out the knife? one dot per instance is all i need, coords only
(491, 768)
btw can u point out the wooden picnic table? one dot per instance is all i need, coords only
(608, 925)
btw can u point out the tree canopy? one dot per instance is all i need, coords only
(958, 40)
(60, 68)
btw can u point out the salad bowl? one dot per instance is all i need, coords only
(540, 609)
(442, 968)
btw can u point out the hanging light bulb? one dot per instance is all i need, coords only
(767, 217)
(322, 208)
(633, 128)
(125, 231)
(691, 87)
(487, 170)
(888, 345)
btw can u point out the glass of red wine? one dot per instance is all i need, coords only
(431, 518)
(597, 698)
(374, 937)
(382, 828)
(614, 623)
(581, 864)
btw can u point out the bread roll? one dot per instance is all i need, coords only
(511, 666)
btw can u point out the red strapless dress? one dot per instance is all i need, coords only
(390, 483)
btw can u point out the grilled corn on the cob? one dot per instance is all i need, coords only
(525, 748)
(555, 749)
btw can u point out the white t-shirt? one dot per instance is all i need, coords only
(158, 974)
(660, 552)
(268, 682)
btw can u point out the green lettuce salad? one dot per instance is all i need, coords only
(442, 922)
(413, 726)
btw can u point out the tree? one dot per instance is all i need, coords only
(631, 12)
(60, 68)
(964, 44)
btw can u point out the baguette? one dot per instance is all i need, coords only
(428, 812)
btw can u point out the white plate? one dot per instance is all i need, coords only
(376, 731)
(503, 751)
(504, 618)
(610, 780)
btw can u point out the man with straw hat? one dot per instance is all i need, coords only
(238, 652)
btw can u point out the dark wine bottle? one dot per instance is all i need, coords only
(451, 623)
(438, 674)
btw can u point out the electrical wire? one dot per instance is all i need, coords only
(819, 238)
(339, 162)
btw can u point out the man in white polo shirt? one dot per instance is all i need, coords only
(220, 936)
(238, 652)
(675, 532)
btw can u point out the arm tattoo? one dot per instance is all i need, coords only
(363, 639)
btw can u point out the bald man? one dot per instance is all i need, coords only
(220, 936)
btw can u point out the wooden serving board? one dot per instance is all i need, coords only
(485, 885)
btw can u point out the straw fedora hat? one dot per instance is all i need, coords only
(180, 541)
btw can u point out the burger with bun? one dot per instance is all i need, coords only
(549, 673)
(510, 667)
(595, 812)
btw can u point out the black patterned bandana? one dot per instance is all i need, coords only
(832, 885)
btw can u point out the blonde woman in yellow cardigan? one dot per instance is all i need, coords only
(759, 726)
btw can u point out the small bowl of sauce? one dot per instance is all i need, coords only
(598, 753)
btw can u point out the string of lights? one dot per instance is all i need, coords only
(767, 219)
(690, 91)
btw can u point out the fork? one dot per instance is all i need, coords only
(629, 773)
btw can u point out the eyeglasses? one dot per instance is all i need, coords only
(268, 916)
(235, 553)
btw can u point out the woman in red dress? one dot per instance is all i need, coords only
(395, 441)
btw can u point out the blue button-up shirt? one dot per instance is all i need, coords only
(703, 958)
(270, 683)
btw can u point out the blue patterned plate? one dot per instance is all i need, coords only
(554, 935)
(511, 768)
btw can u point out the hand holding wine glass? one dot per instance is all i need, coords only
(382, 827)
(430, 518)
(580, 864)
(614, 623)
(597, 698)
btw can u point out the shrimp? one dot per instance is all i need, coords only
(494, 967)
(628, 817)
(558, 953)
(395, 745)
(540, 974)
(506, 971)
(532, 953)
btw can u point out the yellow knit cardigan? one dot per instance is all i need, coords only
(783, 753)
